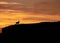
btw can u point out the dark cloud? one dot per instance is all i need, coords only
(34, 6)
(39, 19)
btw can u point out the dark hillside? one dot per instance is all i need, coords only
(30, 32)
(38, 27)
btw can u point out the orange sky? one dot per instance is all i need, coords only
(28, 11)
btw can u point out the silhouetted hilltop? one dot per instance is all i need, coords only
(29, 31)
(37, 27)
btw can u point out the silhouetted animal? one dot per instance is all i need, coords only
(17, 23)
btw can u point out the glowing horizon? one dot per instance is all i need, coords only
(9, 17)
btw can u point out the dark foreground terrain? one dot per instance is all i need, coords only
(32, 28)
(15, 32)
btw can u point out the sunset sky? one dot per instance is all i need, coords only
(28, 11)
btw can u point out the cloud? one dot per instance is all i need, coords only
(34, 6)
(49, 18)
(11, 5)
(8, 3)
